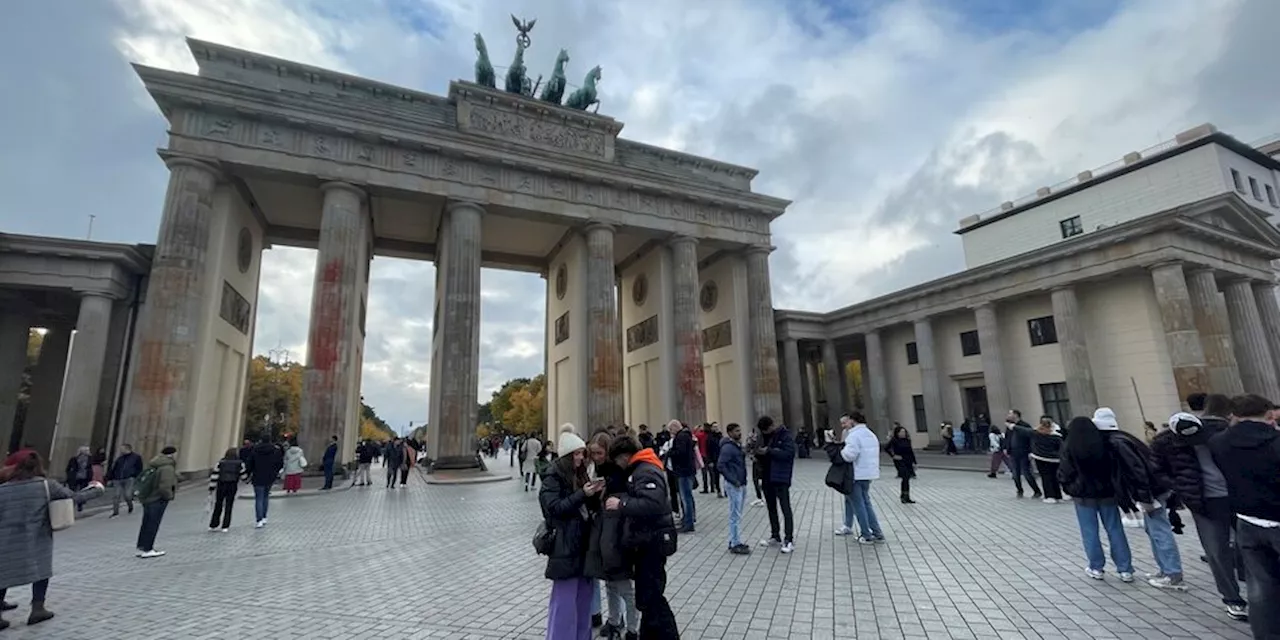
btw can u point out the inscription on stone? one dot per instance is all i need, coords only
(562, 328)
(642, 334)
(234, 308)
(717, 336)
(547, 134)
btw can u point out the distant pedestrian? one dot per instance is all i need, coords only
(365, 453)
(949, 439)
(531, 451)
(684, 464)
(406, 462)
(121, 474)
(295, 462)
(265, 462)
(330, 457)
(1017, 444)
(995, 446)
(1046, 447)
(393, 455)
(224, 482)
(157, 487)
(732, 466)
(904, 460)
(80, 472)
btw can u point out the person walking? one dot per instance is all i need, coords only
(406, 462)
(1182, 454)
(393, 457)
(265, 463)
(949, 439)
(155, 493)
(365, 452)
(295, 462)
(532, 450)
(1046, 446)
(647, 515)
(224, 481)
(861, 450)
(330, 458)
(120, 475)
(1018, 447)
(732, 469)
(80, 472)
(904, 460)
(564, 499)
(996, 446)
(684, 464)
(26, 539)
(1088, 473)
(777, 453)
(1248, 453)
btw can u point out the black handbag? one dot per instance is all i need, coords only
(840, 477)
(544, 539)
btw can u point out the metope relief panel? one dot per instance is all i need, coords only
(562, 328)
(519, 128)
(717, 336)
(642, 334)
(235, 309)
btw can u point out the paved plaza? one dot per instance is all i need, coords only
(968, 561)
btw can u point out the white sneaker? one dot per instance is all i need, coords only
(770, 542)
(1049, 501)
(1126, 576)
(843, 531)
(788, 547)
(1238, 612)
(154, 553)
(224, 530)
(866, 540)
(1166, 582)
(213, 528)
(264, 521)
(757, 502)
(1093, 573)
(259, 524)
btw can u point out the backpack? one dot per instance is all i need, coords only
(147, 483)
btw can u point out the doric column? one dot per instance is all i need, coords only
(930, 382)
(84, 376)
(163, 378)
(1210, 314)
(999, 401)
(1075, 351)
(835, 390)
(456, 355)
(1253, 353)
(690, 391)
(1190, 369)
(875, 379)
(1269, 311)
(766, 397)
(813, 388)
(604, 347)
(14, 331)
(795, 384)
(328, 402)
(46, 389)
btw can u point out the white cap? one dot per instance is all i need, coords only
(1105, 418)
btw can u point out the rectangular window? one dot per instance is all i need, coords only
(922, 421)
(913, 357)
(1253, 188)
(1042, 331)
(1071, 227)
(1237, 181)
(969, 343)
(1056, 403)
(1271, 196)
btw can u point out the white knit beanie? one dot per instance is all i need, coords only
(569, 441)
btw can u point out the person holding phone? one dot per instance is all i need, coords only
(566, 502)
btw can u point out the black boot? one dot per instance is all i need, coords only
(38, 613)
(596, 620)
(906, 498)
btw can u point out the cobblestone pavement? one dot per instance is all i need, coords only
(968, 561)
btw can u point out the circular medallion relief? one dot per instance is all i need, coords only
(562, 282)
(709, 296)
(244, 250)
(640, 290)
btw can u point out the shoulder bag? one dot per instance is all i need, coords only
(62, 512)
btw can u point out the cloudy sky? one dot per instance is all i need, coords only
(885, 121)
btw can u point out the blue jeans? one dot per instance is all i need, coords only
(595, 597)
(688, 510)
(737, 498)
(260, 495)
(1163, 545)
(858, 505)
(1088, 516)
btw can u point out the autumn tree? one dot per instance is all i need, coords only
(517, 407)
(274, 402)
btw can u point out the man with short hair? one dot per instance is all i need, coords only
(330, 455)
(1018, 439)
(862, 450)
(1248, 454)
(733, 470)
(777, 455)
(120, 475)
(684, 464)
(265, 463)
(159, 492)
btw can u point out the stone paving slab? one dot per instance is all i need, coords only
(970, 561)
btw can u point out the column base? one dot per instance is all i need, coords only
(464, 476)
(457, 463)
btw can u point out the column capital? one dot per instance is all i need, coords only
(1193, 269)
(599, 225)
(1162, 264)
(1263, 285)
(984, 304)
(460, 205)
(344, 186)
(98, 293)
(751, 249)
(1070, 288)
(174, 160)
(1235, 280)
(680, 239)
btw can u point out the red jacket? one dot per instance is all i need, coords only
(701, 437)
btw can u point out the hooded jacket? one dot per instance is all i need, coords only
(265, 462)
(1175, 457)
(166, 479)
(647, 505)
(1047, 447)
(1248, 454)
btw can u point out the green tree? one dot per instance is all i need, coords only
(274, 402)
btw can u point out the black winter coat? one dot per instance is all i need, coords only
(683, 455)
(647, 505)
(607, 558)
(264, 464)
(562, 507)
(901, 447)
(1137, 480)
(1175, 458)
(1090, 479)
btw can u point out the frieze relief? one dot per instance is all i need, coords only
(428, 164)
(504, 124)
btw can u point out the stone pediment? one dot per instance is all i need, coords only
(1241, 220)
(525, 121)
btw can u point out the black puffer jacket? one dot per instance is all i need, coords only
(1175, 458)
(1137, 480)
(1089, 479)
(562, 506)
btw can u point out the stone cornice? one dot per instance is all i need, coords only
(135, 259)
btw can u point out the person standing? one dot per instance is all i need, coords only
(606, 559)
(1088, 472)
(757, 468)
(224, 481)
(1018, 446)
(330, 457)
(647, 512)
(1248, 454)
(713, 457)
(406, 462)
(777, 454)
(904, 460)
(531, 449)
(862, 451)
(700, 434)
(996, 446)
(564, 501)
(26, 539)
(365, 451)
(732, 468)
(393, 457)
(949, 439)
(1182, 454)
(80, 472)
(121, 474)
(1046, 446)
(684, 464)
(155, 494)
(294, 464)
(265, 462)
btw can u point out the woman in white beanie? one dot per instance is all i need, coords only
(564, 497)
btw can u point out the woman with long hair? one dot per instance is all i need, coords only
(904, 460)
(565, 503)
(1087, 473)
(26, 539)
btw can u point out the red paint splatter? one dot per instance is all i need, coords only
(326, 326)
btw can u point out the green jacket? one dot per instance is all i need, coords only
(166, 479)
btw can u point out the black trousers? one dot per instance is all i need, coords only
(657, 622)
(404, 475)
(1049, 476)
(673, 484)
(1020, 467)
(152, 514)
(223, 499)
(756, 482)
(775, 496)
(1260, 547)
(906, 486)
